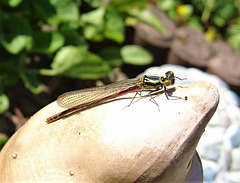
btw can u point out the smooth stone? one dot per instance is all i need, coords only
(210, 170)
(210, 138)
(232, 176)
(234, 114)
(231, 98)
(110, 143)
(235, 160)
(210, 152)
(233, 136)
(220, 119)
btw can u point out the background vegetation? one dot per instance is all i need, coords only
(59, 33)
(219, 19)
(68, 37)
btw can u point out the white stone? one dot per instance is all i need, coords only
(234, 114)
(210, 170)
(233, 136)
(235, 161)
(210, 152)
(232, 176)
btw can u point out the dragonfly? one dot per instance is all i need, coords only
(86, 98)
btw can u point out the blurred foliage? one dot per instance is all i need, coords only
(61, 32)
(3, 141)
(218, 19)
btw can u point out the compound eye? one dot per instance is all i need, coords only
(161, 79)
(167, 82)
(169, 74)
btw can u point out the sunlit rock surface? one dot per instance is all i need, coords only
(144, 142)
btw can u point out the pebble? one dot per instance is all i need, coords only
(219, 146)
(232, 177)
(210, 170)
(235, 165)
(232, 135)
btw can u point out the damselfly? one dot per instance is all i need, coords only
(86, 98)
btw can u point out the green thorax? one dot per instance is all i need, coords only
(151, 82)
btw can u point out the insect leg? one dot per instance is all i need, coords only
(137, 93)
(172, 97)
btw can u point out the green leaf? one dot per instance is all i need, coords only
(67, 57)
(10, 66)
(76, 62)
(31, 82)
(66, 10)
(89, 71)
(219, 21)
(128, 5)
(149, 18)
(72, 37)
(94, 3)
(4, 103)
(103, 22)
(112, 55)
(10, 3)
(114, 26)
(195, 22)
(234, 40)
(233, 35)
(91, 67)
(47, 42)
(14, 3)
(94, 17)
(166, 5)
(56, 11)
(136, 55)
(94, 24)
(16, 34)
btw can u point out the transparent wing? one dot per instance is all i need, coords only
(79, 97)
